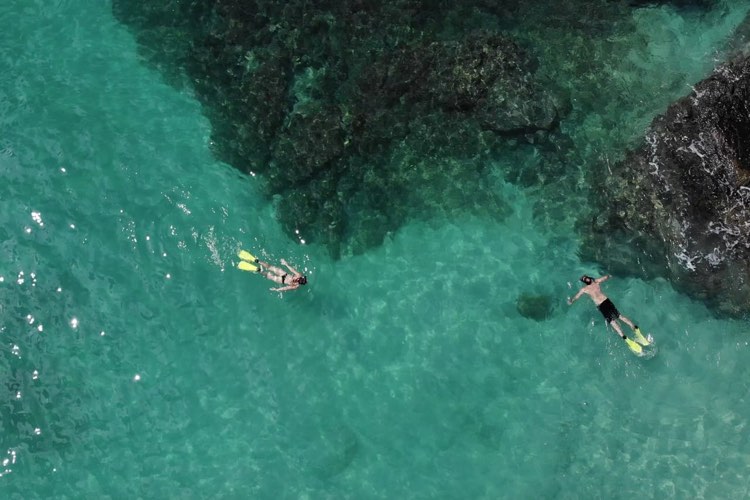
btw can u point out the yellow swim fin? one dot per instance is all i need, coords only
(246, 266)
(634, 346)
(640, 338)
(245, 255)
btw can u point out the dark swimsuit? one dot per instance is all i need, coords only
(608, 310)
(283, 278)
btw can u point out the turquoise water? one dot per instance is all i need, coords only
(139, 363)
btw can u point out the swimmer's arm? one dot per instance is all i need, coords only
(283, 288)
(576, 297)
(293, 270)
(603, 278)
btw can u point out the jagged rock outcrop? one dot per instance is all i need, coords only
(682, 201)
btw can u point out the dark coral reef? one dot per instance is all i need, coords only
(680, 204)
(360, 115)
(357, 114)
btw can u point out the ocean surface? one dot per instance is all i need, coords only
(136, 361)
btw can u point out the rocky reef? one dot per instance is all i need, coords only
(680, 204)
(357, 115)
(739, 44)
(535, 306)
(361, 115)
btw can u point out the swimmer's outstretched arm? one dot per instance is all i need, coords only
(283, 288)
(293, 270)
(603, 278)
(576, 297)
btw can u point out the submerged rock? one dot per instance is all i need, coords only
(697, 4)
(680, 204)
(536, 307)
(358, 115)
(739, 44)
(311, 139)
(485, 74)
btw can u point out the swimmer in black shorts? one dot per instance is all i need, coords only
(291, 280)
(606, 307)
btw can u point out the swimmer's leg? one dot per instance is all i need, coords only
(634, 346)
(273, 269)
(628, 322)
(273, 273)
(638, 335)
(274, 278)
(616, 326)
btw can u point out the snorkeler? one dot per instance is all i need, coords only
(273, 273)
(609, 311)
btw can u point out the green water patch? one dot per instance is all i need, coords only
(91, 238)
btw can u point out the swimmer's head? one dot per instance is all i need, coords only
(302, 280)
(587, 279)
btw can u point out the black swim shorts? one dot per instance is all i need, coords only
(608, 310)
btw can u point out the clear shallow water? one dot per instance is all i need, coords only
(405, 372)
